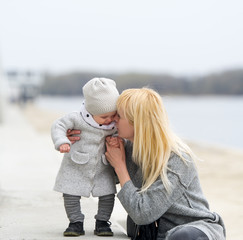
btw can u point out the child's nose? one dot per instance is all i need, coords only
(109, 120)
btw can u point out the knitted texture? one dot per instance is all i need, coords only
(100, 96)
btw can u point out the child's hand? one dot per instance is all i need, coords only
(113, 141)
(64, 148)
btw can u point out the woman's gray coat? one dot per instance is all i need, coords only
(184, 206)
(84, 169)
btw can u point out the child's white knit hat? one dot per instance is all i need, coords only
(100, 96)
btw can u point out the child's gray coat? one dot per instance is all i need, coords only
(84, 169)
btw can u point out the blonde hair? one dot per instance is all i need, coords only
(153, 138)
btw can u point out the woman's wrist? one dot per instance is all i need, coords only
(123, 175)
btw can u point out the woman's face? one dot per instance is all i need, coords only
(124, 128)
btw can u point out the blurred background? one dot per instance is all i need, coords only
(190, 51)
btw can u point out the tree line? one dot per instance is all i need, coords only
(221, 83)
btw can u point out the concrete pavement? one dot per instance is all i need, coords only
(29, 209)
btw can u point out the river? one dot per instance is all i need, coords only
(212, 120)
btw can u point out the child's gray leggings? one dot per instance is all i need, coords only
(73, 207)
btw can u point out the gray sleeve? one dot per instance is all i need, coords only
(59, 129)
(151, 204)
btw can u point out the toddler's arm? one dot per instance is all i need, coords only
(60, 127)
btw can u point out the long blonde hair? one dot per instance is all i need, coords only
(153, 138)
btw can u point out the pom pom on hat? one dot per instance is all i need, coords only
(100, 96)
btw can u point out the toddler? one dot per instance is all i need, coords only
(84, 169)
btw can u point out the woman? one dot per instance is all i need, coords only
(156, 171)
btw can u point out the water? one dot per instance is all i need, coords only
(213, 120)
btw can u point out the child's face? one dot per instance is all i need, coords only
(105, 119)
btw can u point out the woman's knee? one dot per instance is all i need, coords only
(188, 233)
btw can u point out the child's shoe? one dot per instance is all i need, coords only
(102, 228)
(74, 229)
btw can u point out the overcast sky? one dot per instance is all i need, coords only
(173, 36)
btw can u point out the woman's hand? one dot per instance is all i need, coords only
(71, 137)
(115, 152)
(113, 141)
(117, 158)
